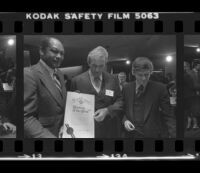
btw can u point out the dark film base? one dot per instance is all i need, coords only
(167, 24)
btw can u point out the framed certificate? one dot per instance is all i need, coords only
(79, 116)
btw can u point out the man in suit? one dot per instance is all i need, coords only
(45, 92)
(189, 94)
(147, 104)
(194, 74)
(105, 87)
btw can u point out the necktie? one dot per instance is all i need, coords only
(139, 90)
(57, 81)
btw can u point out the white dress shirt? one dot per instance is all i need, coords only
(92, 79)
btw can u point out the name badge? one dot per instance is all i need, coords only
(109, 93)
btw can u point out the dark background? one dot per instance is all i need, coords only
(120, 49)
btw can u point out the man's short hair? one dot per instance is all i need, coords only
(45, 43)
(122, 74)
(97, 52)
(142, 64)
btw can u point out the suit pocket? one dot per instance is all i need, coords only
(47, 121)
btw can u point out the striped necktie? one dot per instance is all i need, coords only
(139, 90)
(57, 81)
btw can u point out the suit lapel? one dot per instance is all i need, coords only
(148, 100)
(49, 84)
(89, 83)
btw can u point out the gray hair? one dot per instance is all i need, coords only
(122, 74)
(98, 52)
(141, 64)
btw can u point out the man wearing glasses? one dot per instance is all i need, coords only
(147, 104)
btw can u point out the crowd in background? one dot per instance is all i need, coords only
(7, 99)
(192, 95)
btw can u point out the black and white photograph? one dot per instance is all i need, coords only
(192, 86)
(8, 115)
(99, 86)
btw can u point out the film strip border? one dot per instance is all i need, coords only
(177, 24)
(166, 24)
(89, 148)
(79, 27)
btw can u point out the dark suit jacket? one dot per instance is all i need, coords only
(189, 89)
(196, 80)
(110, 126)
(8, 109)
(44, 106)
(157, 99)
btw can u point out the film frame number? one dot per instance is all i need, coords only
(144, 15)
(31, 156)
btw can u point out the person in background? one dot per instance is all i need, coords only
(195, 98)
(122, 80)
(7, 121)
(6, 127)
(189, 93)
(11, 76)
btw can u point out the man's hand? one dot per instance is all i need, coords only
(129, 126)
(61, 132)
(100, 114)
(9, 126)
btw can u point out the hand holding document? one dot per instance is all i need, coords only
(79, 116)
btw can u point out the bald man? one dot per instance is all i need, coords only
(45, 92)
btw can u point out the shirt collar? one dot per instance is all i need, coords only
(92, 77)
(49, 69)
(137, 86)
